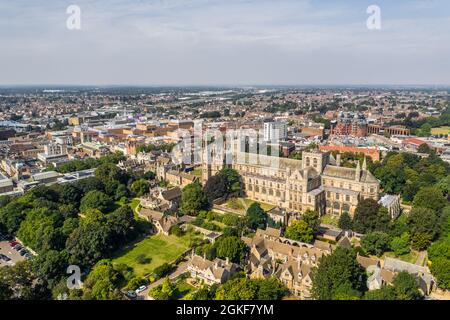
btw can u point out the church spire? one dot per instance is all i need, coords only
(364, 166)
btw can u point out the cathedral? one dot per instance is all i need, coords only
(317, 182)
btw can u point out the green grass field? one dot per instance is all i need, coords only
(409, 257)
(329, 219)
(159, 249)
(264, 206)
(440, 130)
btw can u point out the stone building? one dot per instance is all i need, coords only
(288, 260)
(316, 182)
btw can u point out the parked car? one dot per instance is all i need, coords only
(28, 255)
(23, 252)
(5, 258)
(17, 247)
(13, 243)
(131, 294)
(140, 289)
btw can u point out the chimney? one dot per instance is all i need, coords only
(227, 261)
(338, 159)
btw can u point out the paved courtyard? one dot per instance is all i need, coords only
(6, 249)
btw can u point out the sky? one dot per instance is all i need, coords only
(225, 42)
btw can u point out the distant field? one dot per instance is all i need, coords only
(440, 130)
(158, 249)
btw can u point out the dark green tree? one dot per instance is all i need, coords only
(337, 269)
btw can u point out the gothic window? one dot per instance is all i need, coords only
(347, 198)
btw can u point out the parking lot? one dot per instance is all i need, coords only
(6, 249)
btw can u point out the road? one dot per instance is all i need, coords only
(181, 268)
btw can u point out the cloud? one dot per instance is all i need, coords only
(224, 42)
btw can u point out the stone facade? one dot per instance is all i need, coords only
(316, 182)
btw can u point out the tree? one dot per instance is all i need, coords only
(256, 217)
(121, 223)
(440, 268)
(366, 215)
(300, 231)
(121, 192)
(335, 270)
(231, 247)
(312, 218)
(193, 199)
(216, 187)
(19, 282)
(12, 215)
(149, 175)
(70, 194)
(425, 148)
(140, 187)
(109, 173)
(400, 245)
(39, 230)
(88, 243)
(165, 291)
(422, 223)
(431, 198)
(439, 255)
(384, 293)
(233, 179)
(102, 283)
(49, 265)
(406, 287)
(345, 221)
(251, 289)
(96, 200)
(375, 242)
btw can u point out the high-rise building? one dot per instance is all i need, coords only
(275, 131)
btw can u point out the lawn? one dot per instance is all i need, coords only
(329, 219)
(409, 257)
(158, 249)
(182, 288)
(134, 203)
(264, 206)
(440, 130)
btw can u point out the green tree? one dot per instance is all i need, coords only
(440, 268)
(431, 198)
(335, 270)
(375, 242)
(384, 293)
(140, 187)
(300, 231)
(256, 217)
(312, 218)
(216, 187)
(231, 247)
(233, 179)
(367, 216)
(400, 245)
(422, 223)
(345, 221)
(406, 287)
(193, 199)
(96, 200)
(102, 283)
